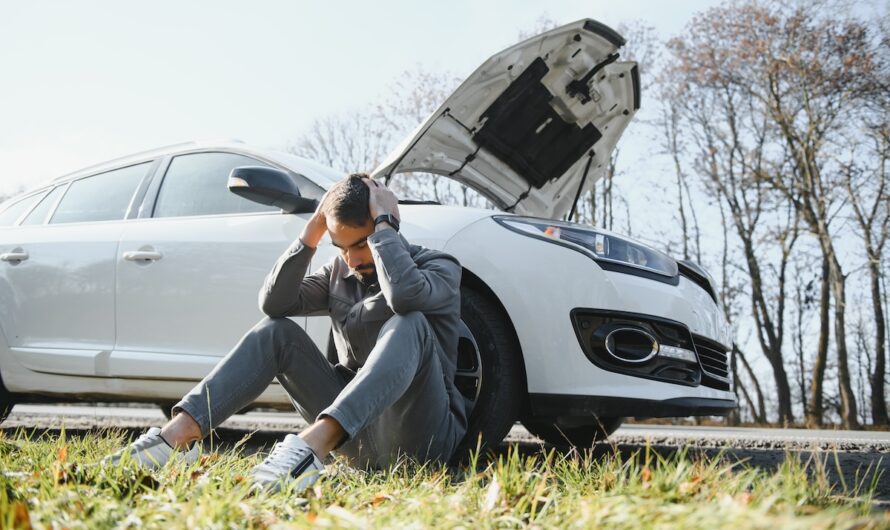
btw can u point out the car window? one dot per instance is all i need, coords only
(38, 214)
(11, 212)
(101, 197)
(195, 184)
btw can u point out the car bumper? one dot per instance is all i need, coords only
(580, 407)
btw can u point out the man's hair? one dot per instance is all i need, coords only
(347, 201)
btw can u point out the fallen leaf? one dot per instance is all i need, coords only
(209, 458)
(379, 499)
(63, 453)
(690, 486)
(22, 517)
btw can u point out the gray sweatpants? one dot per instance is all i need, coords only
(397, 403)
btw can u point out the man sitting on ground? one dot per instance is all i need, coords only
(395, 311)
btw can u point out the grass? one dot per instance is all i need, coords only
(56, 482)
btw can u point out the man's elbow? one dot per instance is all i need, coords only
(271, 309)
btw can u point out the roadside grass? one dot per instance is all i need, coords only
(57, 482)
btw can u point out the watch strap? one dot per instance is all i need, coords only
(389, 218)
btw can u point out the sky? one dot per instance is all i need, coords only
(87, 81)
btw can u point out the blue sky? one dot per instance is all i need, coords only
(82, 82)
(86, 81)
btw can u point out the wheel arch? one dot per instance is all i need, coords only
(473, 281)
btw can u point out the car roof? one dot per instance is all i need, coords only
(320, 174)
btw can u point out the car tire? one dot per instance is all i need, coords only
(165, 408)
(502, 390)
(582, 437)
(7, 401)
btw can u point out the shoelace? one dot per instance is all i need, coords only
(143, 441)
(286, 455)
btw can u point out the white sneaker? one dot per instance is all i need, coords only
(291, 460)
(152, 452)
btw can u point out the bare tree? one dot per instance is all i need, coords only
(351, 141)
(801, 68)
(867, 183)
(807, 67)
(734, 138)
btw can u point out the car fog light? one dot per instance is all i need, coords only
(631, 345)
(681, 354)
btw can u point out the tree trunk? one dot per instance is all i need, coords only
(760, 413)
(771, 343)
(814, 412)
(798, 346)
(838, 287)
(878, 401)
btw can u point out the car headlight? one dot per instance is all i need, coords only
(603, 247)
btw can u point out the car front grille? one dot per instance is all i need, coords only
(714, 359)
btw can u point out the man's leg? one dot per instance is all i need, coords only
(275, 347)
(399, 402)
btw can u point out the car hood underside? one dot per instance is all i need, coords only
(534, 126)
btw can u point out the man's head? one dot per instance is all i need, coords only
(349, 224)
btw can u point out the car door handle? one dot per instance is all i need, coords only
(142, 255)
(14, 256)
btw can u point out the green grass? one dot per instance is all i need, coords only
(56, 482)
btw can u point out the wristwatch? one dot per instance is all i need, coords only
(388, 218)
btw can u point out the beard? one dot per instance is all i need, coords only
(367, 274)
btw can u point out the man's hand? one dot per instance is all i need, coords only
(316, 227)
(382, 201)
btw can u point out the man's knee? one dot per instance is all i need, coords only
(413, 324)
(411, 320)
(278, 328)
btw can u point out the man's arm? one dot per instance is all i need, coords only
(406, 286)
(287, 291)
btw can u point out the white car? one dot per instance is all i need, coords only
(129, 280)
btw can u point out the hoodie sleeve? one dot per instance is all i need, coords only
(429, 288)
(287, 291)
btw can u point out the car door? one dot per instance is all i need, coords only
(188, 276)
(57, 273)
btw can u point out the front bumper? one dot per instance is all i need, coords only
(556, 406)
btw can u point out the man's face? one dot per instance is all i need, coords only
(354, 249)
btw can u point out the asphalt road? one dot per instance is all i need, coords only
(846, 452)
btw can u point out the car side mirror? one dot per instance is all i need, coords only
(267, 185)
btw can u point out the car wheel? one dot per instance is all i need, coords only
(583, 436)
(6, 402)
(165, 408)
(489, 372)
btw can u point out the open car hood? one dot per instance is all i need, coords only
(534, 126)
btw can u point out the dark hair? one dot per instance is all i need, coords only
(347, 201)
